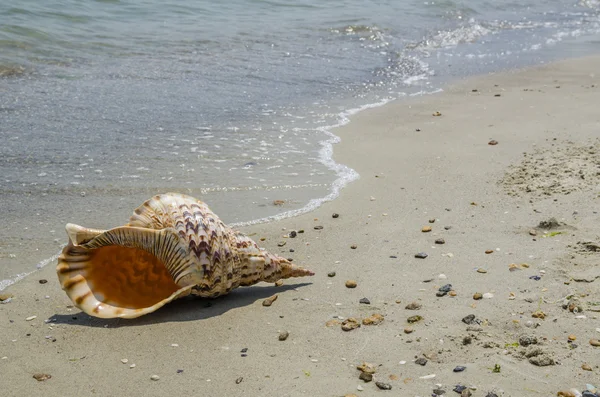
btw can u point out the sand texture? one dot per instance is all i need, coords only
(514, 224)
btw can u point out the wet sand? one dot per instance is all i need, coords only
(417, 169)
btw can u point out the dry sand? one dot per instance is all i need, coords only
(414, 167)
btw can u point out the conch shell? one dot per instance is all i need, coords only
(173, 246)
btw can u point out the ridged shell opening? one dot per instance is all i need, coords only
(119, 276)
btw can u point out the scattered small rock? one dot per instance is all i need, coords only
(269, 301)
(421, 255)
(41, 377)
(283, 335)
(408, 330)
(349, 324)
(488, 295)
(595, 342)
(334, 215)
(443, 290)
(481, 270)
(459, 368)
(440, 241)
(318, 228)
(421, 361)
(281, 243)
(43, 281)
(374, 319)
(366, 377)
(331, 274)
(414, 319)
(383, 386)
(538, 314)
(30, 318)
(426, 229)
(365, 301)
(351, 284)
(413, 306)
(477, 296)
(239, 380)
(533, 232)
(459, 388)
(5, 297)
(367, 368)
(293, 234)
(586, 367)
(353, 246)
(155, 377)
(470, 319)
(493, 142)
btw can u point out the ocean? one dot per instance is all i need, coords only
(105, 103)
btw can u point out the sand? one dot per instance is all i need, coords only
(415, 168)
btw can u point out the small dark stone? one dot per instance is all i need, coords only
(318, 227)
(365, 301)
(447, 227)
(446, 288)
(292, 250)
(470, 319)
(459, 388)
(587, 393)
(467, 340)
(331, 274)
(490, 394)
(353, 246)
(244, 355)
(439, 392)
(393, 256)
(421, 361)
(301, 231)
(335, 215)
(179, 371)
(536, 278)
(459, 368)
(421, 255)
(365, 376)
(43, 281)
(293, 234)
(440, 241)
(383, 386)
(244, 350)
(239, 380)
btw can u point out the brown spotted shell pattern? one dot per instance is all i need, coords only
(173, 246)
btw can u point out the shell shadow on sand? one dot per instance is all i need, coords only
(182, 310)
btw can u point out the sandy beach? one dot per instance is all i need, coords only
(504, 169)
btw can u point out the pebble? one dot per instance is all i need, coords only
(283, 335)
(365, 301)
(477, 296)
(459, 369)
(353, 246)
(281, 243)
(132, 366)
(566, 393)
(440, 241)
(360, 388)
(426, 229)
(269, 301)
(595, 342)
(481, 270)
(239, 380)
(367, 368)
(533, 232)
(437, 114)
(349, 324)
(43, 281)
(124, 360)
(293, 234)
(334, 215)
(30, 318)
(41, 377)
(351, 284)
(443, 290)
(408, 330)
(572, 338)
(374, 319)
(421, 361)
(383, 386)
(459, 388)
(331, 274)
(155, 377)
(586, 367)
(414, 319)
(318, 228)
(489, 251)
(413, 306)
(421, 255)
(470, 319)
(365, 377)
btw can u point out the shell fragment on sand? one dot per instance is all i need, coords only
(173, 246)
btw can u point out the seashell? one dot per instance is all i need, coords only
(173, 246)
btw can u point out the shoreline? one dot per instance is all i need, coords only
(488, 196)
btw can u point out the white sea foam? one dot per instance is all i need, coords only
(10, 281)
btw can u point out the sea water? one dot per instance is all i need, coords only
(104, 103)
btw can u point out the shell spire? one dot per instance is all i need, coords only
(173, 246)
